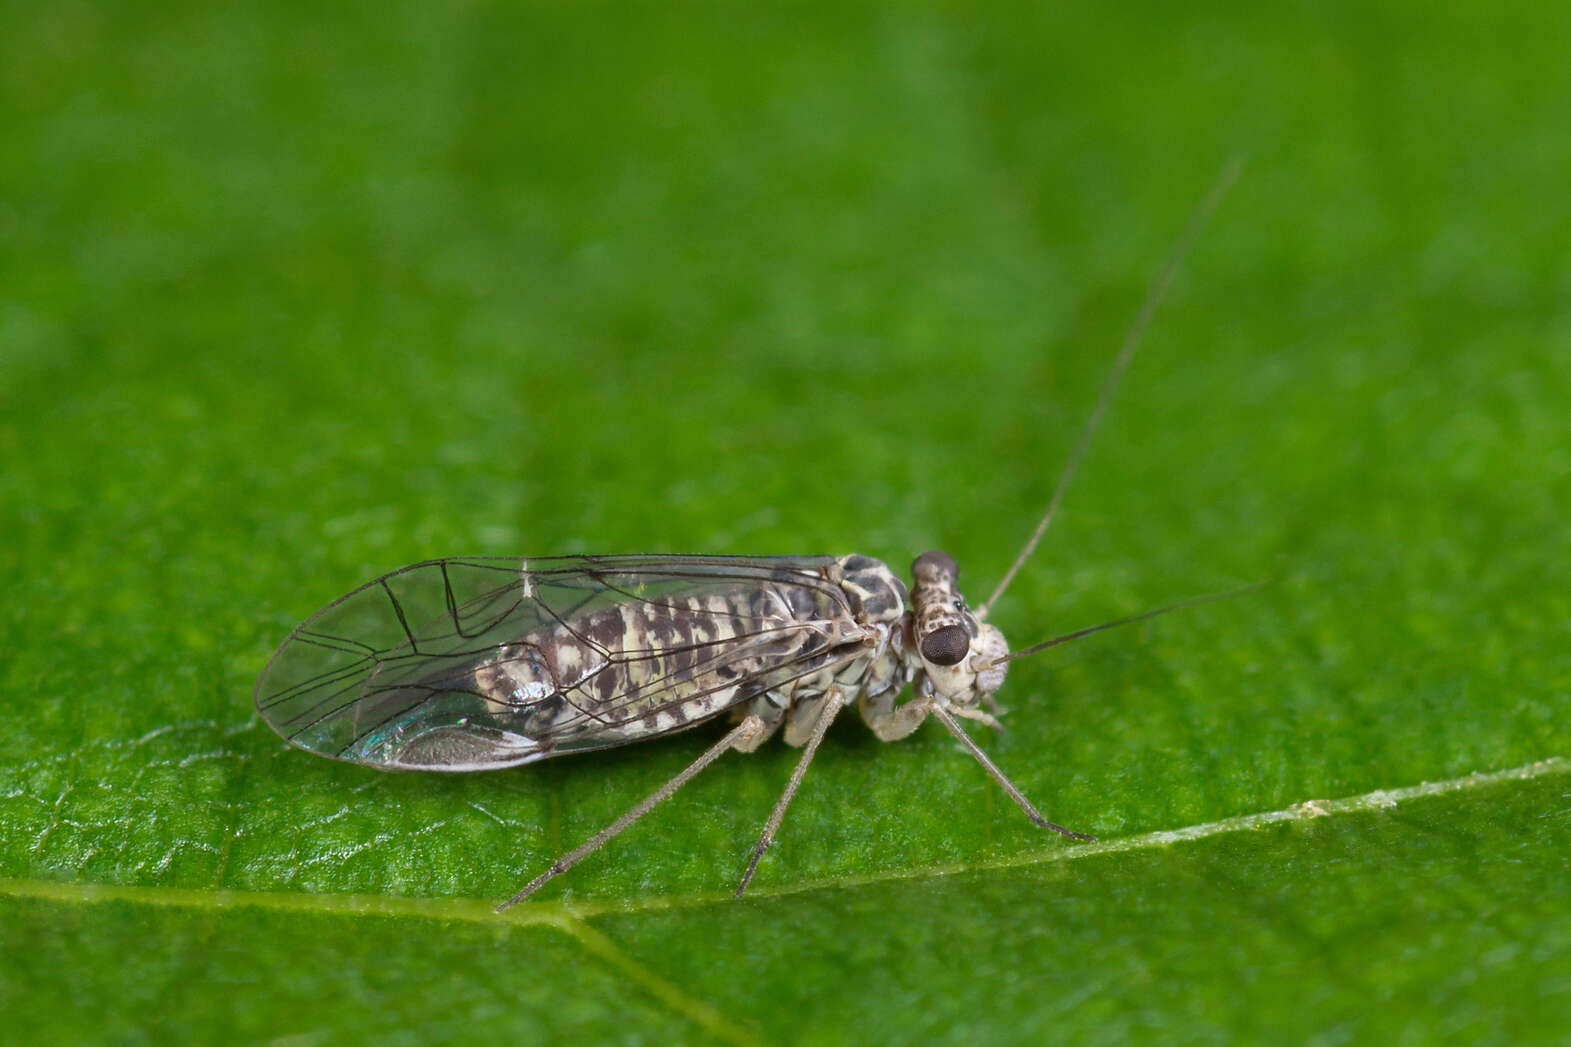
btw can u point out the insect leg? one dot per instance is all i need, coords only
(998, 776)
(890, 724)
(835, 700)
(980, 716)
(739, 736)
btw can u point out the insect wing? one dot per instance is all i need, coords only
(468, 664)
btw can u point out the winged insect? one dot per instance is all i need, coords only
(469, 664)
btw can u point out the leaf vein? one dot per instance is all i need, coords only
(570, 912)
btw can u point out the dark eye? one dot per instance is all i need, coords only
(946, 646)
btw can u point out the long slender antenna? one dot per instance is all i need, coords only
(1126, 353)
(1142, 616)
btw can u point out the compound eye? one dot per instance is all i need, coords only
(946, 646)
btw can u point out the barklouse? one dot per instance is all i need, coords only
(468, 664)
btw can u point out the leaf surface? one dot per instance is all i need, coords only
(290, 298)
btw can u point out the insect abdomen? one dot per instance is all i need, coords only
(651, 667)
(464, 664)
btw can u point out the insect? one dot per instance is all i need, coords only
(469, 664)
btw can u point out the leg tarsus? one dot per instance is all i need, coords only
(981, 717)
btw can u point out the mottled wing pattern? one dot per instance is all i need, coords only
(467, 664)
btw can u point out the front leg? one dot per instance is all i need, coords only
(980, 717)
(891, 722)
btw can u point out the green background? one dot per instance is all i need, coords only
(290, 298)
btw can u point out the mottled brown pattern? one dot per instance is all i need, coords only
(460, 664)
(464, 663)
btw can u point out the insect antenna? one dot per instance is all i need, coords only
(953, 726)
(1126, 354)
(1142, 616)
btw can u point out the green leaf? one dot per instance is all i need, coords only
(289, 298)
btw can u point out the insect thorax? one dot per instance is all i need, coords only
(875, 594)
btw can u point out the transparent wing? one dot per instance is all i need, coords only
(468, 664)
